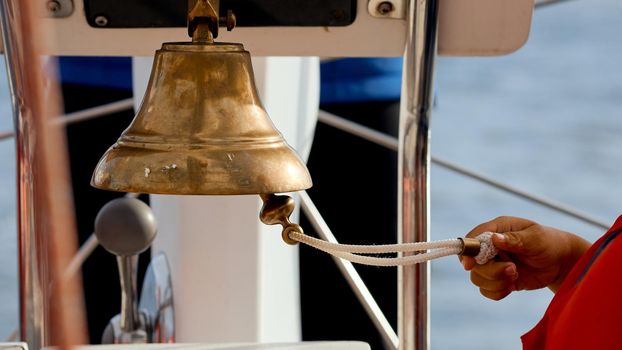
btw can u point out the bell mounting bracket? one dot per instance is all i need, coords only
(203, 20)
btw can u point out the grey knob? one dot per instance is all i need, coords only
(125, 226)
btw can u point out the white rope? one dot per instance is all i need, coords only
(401, 261)
(375, 249)
(435, 250)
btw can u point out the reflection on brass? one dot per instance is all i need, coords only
(201, 129)
(276, 210)
(470, 246)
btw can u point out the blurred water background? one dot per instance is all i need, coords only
(547, 119)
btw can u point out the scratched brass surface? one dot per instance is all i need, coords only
(201, 129)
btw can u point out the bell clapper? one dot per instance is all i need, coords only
(276, 210)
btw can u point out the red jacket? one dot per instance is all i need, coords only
(586, 312)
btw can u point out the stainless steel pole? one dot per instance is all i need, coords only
(413, 166)
(33, 301)
(50, 313)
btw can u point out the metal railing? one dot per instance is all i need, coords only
(391, 143)
(371, 135)
(542, 3)
(85, 114)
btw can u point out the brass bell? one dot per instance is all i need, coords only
(201, 129)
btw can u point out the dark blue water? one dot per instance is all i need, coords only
(547, 119)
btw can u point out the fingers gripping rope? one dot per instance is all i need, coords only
(430, 250)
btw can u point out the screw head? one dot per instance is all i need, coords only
(231, 20)
(101, 21)
(53, 6)
(384, 8)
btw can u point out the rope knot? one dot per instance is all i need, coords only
(487, 250)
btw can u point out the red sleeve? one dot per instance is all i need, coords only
(586, 312)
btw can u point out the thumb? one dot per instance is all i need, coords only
(513, 242)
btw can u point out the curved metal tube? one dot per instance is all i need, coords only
(413, 166)
(50, 313)
(33, 308)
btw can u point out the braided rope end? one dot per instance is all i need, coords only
(487, 251)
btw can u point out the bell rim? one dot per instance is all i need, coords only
(167, 193)
(131, 174)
